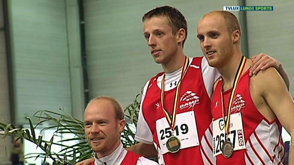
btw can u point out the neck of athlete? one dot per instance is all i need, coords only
(229, 69)
(111, 151)
(175, 63)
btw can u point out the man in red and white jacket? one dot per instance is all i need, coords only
(104, 123)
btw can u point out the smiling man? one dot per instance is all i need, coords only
(248, 112)
(104, 123)
(174, 120)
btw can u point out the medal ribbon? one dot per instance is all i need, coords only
(236, 80)
(172, 118)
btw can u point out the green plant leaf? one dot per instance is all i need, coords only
(32, 128)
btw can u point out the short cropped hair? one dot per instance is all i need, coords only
(230, 19)
(175, 17)
(119, 112)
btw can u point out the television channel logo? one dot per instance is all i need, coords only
(248, 8)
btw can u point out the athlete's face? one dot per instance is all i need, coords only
(215, 40)
(102, 128)
(162, 42)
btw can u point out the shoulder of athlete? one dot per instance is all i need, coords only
(266, 81)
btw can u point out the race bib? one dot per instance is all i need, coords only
(236, 133)
(185, 130)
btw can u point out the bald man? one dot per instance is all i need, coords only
(104, 123)
(248, 112)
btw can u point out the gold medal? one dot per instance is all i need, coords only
(227, 149)
(173, 144)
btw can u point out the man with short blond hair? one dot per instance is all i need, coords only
(248, 112)
(104, 123)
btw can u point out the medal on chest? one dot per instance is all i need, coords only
(173, 144)
(228, 147)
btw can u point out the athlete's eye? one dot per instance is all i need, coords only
(214, 35)
(158, 34)
(87, 124)
(146, 36)
(201, 38)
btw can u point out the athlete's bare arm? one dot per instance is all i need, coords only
(146, 150)
(263, 61)
(272, 98)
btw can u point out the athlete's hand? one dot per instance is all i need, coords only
(263, 61)
(86, 162)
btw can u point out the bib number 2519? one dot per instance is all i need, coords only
(179, 130)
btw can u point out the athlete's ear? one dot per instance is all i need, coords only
(236, 36)
(181, 35)
(121, 124)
